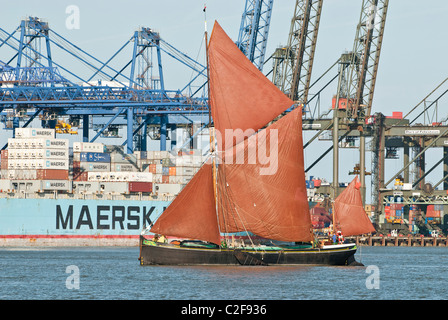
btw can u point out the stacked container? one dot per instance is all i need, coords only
(36, 155)
(89, 158)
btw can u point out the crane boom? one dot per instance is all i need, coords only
(254, 30)
(293, 64)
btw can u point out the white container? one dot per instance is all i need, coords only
(85, 187)
(113, 187)
(5, 185)
(51, 164)
(64, 185)
(88, 147)
(51, 154)
(95, 166)
(25, 143)
(34, 133)
(14, 143)
(94, 176)
(171, 189)
(141, 176)
(150, 155)
(185, 171)
(49, 143)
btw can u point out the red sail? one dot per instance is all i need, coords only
(271, 203)
(241, 97)
(192, 214)
(350, 216)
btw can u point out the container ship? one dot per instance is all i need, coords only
(54, 193)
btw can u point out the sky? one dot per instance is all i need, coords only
(412, 63)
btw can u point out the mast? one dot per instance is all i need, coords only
(211, 129)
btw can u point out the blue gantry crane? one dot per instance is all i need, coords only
(254, 30)
(33, 83)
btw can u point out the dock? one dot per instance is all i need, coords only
(400, 241)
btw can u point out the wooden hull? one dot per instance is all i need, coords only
(152, 253)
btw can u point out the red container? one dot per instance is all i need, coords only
(152, 168)
(76, 164)
(51, 174)
(396, 206)
(4, 154)
(172, 171)
(165, 179)
(397, 115)
(317, 183)
(140, 186)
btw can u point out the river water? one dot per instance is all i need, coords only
(98, 273)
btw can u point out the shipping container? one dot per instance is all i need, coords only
(140, 155)
(95, 157)
(123, 167)
(165, 179)
(48, 143)
(47, 154)
(184, 179)
(28, 186)
(88, 147)
(85, 186)
(135, 186)
(34, 133)
(51, 174)
(5, 185)
(94, 166)
(113, 187)
(57, 185)
(140, 176)
(396, 206)
(185, 171)
(51, 164)
(123, 158)
(171, 189)
(94, 176)
(172, 171)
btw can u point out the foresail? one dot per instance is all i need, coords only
(265, 192)
(350, 216)
(241, 97)
(192, 214)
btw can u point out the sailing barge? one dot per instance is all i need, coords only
(239, 190)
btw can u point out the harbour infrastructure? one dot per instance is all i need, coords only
(38, 92)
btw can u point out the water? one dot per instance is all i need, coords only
(407, 273)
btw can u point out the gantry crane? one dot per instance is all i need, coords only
(293, 63)
(356, 85)
(35, 86)
(254, 30)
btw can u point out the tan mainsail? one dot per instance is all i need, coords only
(350, 216)
(241, 97)
(192, 214)
(273, 205)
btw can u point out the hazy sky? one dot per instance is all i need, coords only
(412, 63)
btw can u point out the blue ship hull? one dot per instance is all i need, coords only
(72, 219)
